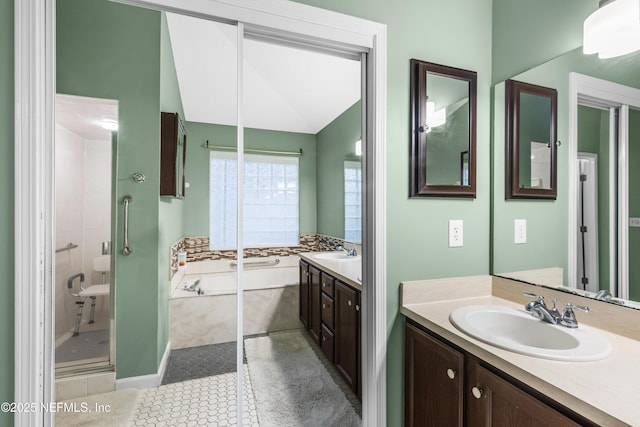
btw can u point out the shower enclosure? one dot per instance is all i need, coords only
(85, 136)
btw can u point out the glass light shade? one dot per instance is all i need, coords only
(613, 30)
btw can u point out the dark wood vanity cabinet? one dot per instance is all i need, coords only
(445, 385)
(347, 318)
(434, 374)
(330, 310)
(173, 155)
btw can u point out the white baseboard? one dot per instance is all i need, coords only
(146, 381)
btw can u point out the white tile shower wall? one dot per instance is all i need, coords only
(97, 214)
(69, 158)
(83, 217)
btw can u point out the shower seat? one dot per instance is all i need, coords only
(101, 265)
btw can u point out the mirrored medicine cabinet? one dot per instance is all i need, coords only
(443, 131)
(531, 141)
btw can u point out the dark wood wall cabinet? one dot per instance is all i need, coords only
(173, 155)
(446, 386)
(330, 311)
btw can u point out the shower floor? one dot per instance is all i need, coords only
(86, 346)
(200, 362)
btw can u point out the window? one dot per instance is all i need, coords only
(270, 200)
(352, 202)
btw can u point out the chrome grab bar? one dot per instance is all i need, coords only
(66, 248)
(256, 263)
(126, 250)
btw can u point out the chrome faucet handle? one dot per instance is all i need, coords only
(568, 318)
(579, 307)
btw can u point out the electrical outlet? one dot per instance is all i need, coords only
(455, 233)
(520, 232)
(634, 222)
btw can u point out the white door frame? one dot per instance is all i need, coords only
(587, 90)
(34, 214)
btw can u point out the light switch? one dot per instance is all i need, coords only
(455, 233)
(520, 232)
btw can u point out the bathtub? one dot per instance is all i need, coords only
(270, 299)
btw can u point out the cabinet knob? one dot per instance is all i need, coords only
(324, 338)
(451, 373)
(477, 392)
(324, 306)
(349, 302)
(357, 307)
(324, 284)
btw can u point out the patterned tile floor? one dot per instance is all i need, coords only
(209, 401)
(199, 389)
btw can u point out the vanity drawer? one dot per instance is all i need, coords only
(327, 343)
(327, 283)
(327, 311)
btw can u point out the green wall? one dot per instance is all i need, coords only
(6, 208)
(335, 143)
(107, 50)
(196, 212)
(528, 33)
(170, 211)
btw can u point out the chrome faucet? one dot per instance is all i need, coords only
(603, 295)
(349, 251)
(539, 310)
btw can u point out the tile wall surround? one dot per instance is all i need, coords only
(197, 249)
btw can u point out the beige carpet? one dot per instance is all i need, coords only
(290, 385)
(121, 405)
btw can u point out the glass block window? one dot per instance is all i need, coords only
(352, 202)
(270, 200)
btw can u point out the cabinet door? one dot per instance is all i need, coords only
(433, 381)
(346, 333)
(304, 294)
(493, 401)
(314, 303)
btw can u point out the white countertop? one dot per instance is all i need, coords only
(606, 391)
(349, 271)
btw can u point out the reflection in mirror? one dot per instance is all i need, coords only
(443, 130)
(546, 258)
(531, 135)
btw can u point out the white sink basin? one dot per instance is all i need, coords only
(334, 256)
(520, 332)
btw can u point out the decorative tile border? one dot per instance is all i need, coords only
(197, 249)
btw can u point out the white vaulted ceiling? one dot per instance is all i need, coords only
(285, 88)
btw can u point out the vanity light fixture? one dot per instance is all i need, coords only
(613, 30)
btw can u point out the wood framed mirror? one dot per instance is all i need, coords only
(531, 145)
(443, 131)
